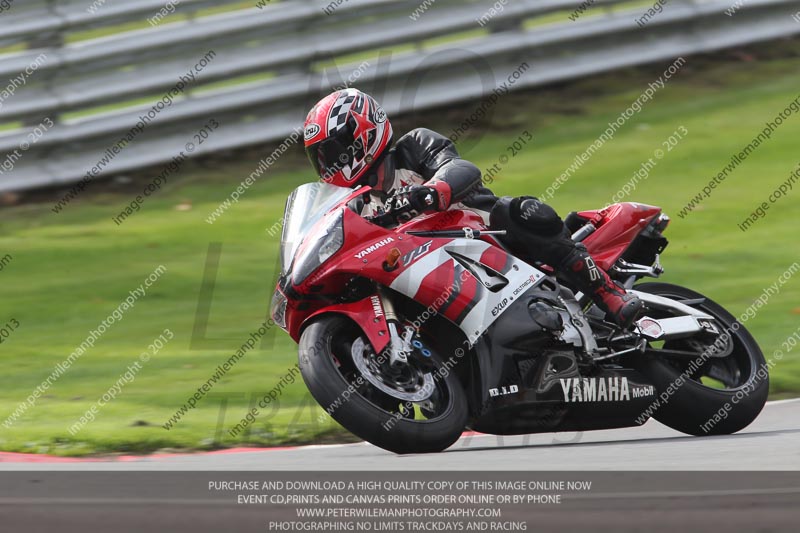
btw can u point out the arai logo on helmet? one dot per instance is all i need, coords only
(380, 115)
(311, 131)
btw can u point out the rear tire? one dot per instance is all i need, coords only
(324, 350)
(695, 408)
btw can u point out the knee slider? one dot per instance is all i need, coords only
(528, 241)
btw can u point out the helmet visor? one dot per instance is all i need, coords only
(333, 154)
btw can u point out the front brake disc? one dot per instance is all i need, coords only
(425, 384)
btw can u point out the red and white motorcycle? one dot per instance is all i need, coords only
(411, 333)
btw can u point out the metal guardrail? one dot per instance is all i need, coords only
(38, 21)
(287, 46)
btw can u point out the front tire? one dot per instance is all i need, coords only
(695, 407)
(331, 375)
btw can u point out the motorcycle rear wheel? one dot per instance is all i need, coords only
(695, 406)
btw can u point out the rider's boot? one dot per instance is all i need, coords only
(620, 306)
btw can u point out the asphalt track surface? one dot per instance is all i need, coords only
(772, 442)
(744, 482)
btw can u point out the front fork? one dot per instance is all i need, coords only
(401, 341)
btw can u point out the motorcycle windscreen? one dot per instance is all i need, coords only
(305, 206)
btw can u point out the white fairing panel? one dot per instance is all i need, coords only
(520, 275)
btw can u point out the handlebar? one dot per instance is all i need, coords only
(463, 233)
(382, 220)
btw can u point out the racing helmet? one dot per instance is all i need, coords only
(345, 134)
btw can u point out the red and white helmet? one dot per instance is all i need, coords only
(345, 133)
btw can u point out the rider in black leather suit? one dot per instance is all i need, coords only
(424, 172)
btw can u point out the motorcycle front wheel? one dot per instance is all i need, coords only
(418, 407)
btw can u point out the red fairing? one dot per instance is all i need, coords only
(433, 286)
(467, 294)
(448, 288)
(363, 254)
(496, 259)
(460, 288)
(453, 218)
(617, 227)
(368, 314)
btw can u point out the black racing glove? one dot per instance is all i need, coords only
(409, 202)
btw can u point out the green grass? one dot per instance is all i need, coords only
(70, 270)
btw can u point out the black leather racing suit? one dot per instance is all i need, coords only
(424, 157)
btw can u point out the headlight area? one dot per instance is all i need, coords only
(330, 239)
